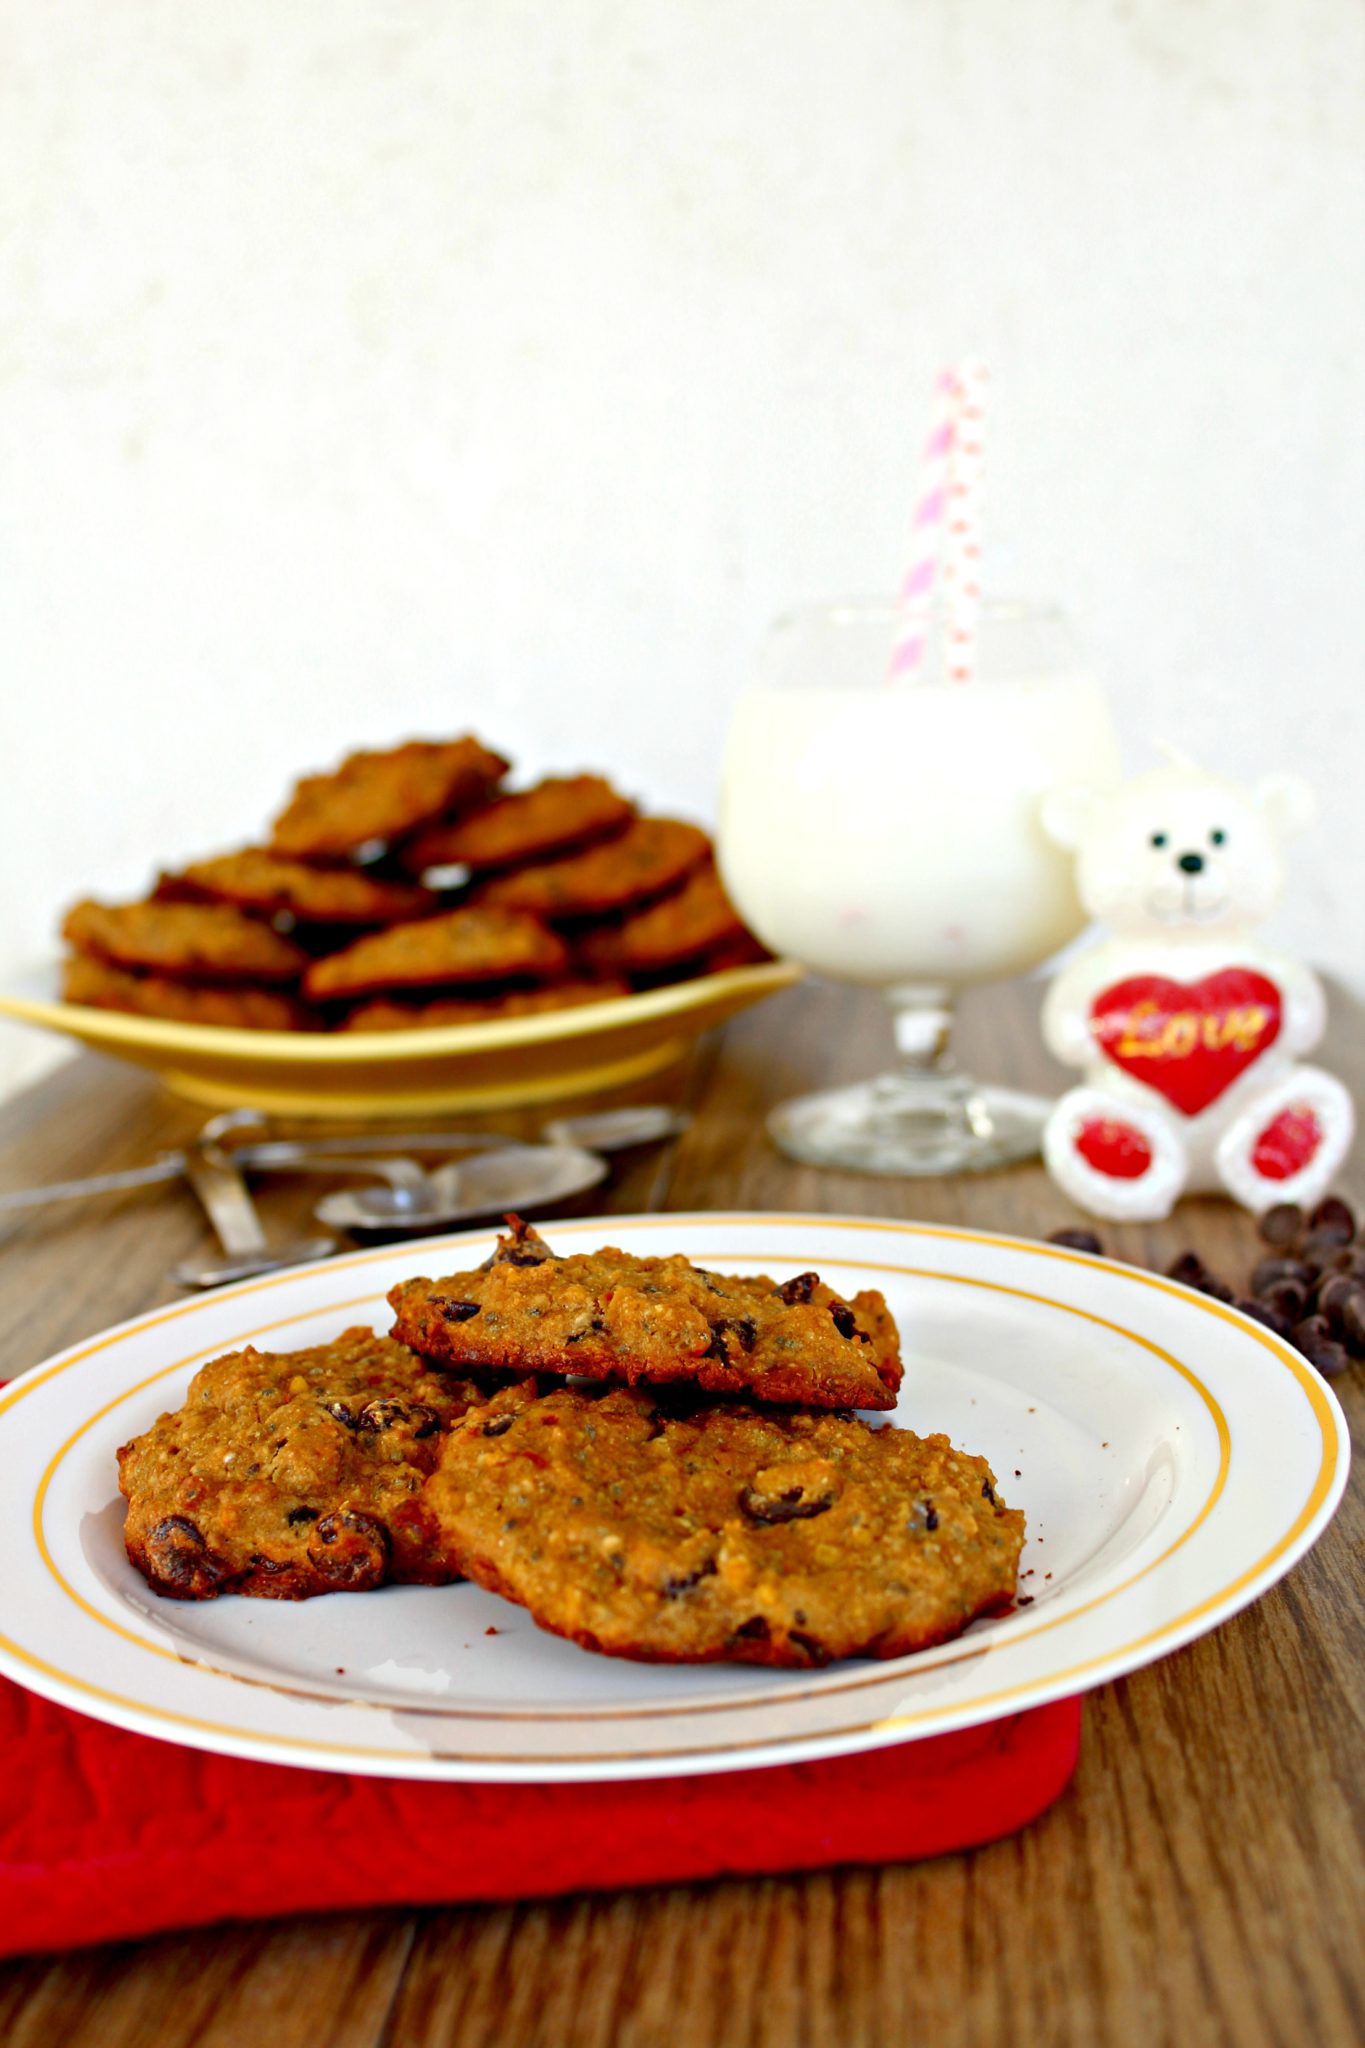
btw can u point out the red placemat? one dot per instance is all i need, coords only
(105, 1835)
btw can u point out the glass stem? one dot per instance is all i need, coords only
(922, 1020)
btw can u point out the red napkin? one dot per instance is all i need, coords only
(105, 1835)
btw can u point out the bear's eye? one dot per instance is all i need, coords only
(1217, 836)
(1158, 839)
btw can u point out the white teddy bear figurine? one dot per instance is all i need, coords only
(1187, 1028)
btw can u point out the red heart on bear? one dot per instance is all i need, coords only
(1187, 1039)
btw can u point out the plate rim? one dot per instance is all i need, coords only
(1246, 1584)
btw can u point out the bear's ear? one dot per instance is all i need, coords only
(1066, 812)
(1286, 802)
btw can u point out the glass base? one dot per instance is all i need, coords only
(936, 1125)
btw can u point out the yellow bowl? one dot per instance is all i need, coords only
(491, 1065)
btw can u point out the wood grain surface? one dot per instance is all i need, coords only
(1201, 1882)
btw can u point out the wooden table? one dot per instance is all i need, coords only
(1200, 1882)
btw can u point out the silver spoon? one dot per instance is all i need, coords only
(520, 1177)
(223, 1192)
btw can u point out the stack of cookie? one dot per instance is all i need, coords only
(407, 888)
(656, 1461)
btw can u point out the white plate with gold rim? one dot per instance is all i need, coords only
(1173, 1458)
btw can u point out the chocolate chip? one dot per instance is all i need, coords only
(795, 1505)
(1334, 1216)
(181, 1561)
(1214, 1287)
(1269, 1273)
(754, 1630)
(454, 1311)
(1315, 1340)
(842, 1316)
(686, 1581)
(799, 1289)
(1332, 1296)
(499, 1426)
(924, 1515)
(1287, 1299)
(1263, 1312)
(350, 1550)
(1353, 1326)
(378, 1415)
(988, 1491)
(340, 1412)
(815, 1652)
(297, 1515)
(740, 1328)
(1281, 1224)
(1189, 1269)
(1077, 1241)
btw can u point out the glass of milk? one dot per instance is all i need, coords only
(888, 833)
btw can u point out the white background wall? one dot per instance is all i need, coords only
(369, 369)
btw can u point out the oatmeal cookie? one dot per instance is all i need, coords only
(256, 879)
(290, 1474)
(698, 919)
(187, 941)
(562, 811)
(611, 1315)
(728, 1533)
(523, 1002)
(459, 945)
(383, 796)
(649, 857)
(102, 987)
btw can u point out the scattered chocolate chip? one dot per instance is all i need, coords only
(988, 1491)
(795, 1505)
(1353, 1325)
(297, 1515)
(1216, 1288)
(799, 1289)
(1262, 1312)
(1281, 1224)
(1332, 1296)
(1269, 1273)
(843, 1318)
(1315, 1340)
(454, 1311)
(499, 1426)
(1334, 1216)
(1189, 1269)
(350, 1550)
(1077, 1241)
(1287, 1299)
(755, 1629)
(816, 1652)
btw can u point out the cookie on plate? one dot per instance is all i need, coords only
(562, 811)
(376, 797)
(697, 919)
(731, 1533)
(238, 1008)
(256, 879)
(611, 1315)
(522, 1002)
(649, 857)
(294, 1473)
(187, 941)
(459, 945)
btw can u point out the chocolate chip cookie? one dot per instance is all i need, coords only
(256, 879)
(376, 797)
(238, 1008)
(294, 1473)
(459, 945)
(187, 941)
(730, 1533)
(649, 857)
(611, 1315)
(562, 811)
(697, 919)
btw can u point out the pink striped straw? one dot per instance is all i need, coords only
(962, 537)
(916, 595)
(946, 525)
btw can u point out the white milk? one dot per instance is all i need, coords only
(890, 834)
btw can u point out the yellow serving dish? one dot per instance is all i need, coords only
(490, 1065)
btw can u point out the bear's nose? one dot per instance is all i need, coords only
(1191, 863)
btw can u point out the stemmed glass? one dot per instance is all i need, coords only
(888, 833)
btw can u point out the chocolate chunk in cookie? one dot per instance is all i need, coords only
(648, 858)
(379, 797)
(728, 1533)
(563, 811)
(610, 1315)
(187, 941)
(294, 1473)
(459, 945)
